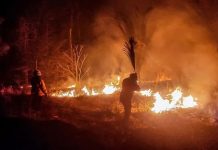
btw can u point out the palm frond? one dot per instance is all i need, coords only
(129, 50)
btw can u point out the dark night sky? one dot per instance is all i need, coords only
(11, 10)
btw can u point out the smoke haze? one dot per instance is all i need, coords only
(175, 37)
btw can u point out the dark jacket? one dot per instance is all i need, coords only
(38, 87)
(129, 85)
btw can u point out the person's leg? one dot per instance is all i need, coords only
(128, 111)
(127, 108)
(36, 106)
(33, 106)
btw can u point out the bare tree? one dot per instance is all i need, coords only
(73, 64)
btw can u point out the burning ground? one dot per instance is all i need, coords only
(95, 123)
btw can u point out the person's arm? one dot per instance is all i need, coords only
(32, 86)
(43, 88)
(137, 87)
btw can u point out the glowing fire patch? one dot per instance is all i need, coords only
(86, 91)
(161, 104)
(70, 93)
(109, 89)
(94, 93)
(146, 92)
(176, 101)
(189, 102)
(72, 86)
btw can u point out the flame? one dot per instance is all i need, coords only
(147, 93)
(94, 93)
(188, 102)
(177, 101)
(109, 89)
(161, 104)
(86, 91)
(177, 94)
(71, 86)
(70, 93)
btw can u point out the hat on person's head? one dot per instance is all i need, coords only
(37, 73)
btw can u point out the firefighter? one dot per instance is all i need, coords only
(129, 85)
(38, 91)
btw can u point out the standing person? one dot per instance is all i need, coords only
(38, 91)
(129, 85)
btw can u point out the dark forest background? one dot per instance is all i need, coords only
(33, 30)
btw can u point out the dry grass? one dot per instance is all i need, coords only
(95, 122)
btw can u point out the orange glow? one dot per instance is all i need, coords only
(161, 104)
(177, 101)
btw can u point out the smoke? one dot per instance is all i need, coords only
(173, 37)
(105, 54)
(181, 44)
(113, 25)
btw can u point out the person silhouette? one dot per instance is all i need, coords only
(38, 91)
(129, 85)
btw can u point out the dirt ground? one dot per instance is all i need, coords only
(95, 123)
